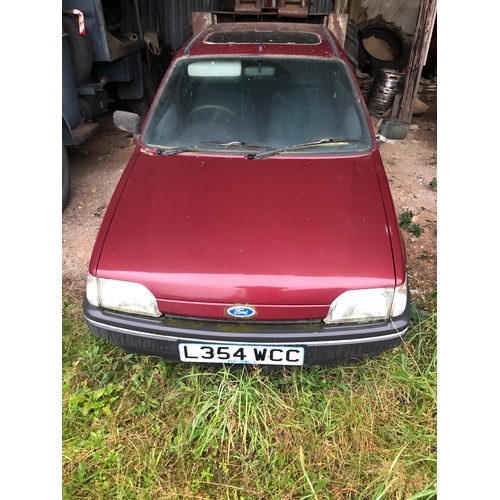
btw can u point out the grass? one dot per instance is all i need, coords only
(140, 428)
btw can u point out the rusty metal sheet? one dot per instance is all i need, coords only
(293, 8)
(248, 7)
(202, 19)
(285, 8)
(337, 24)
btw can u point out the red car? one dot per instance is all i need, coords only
(254, 222)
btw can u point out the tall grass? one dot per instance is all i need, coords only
(140, 428)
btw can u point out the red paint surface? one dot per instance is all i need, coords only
(230, 230)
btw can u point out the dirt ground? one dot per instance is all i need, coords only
(411, 167)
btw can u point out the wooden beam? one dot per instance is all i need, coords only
(341, 7)
(420, 47)
(354, 10)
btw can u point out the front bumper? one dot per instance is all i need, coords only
(325, 345)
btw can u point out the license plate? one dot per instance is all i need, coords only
(247, 354)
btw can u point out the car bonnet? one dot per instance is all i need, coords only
(286, 233)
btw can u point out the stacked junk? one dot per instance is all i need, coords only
(383, 53)
(386, 86)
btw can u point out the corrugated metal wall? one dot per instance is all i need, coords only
(173, 17)
(321, 6)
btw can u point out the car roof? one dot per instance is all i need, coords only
(260, 38)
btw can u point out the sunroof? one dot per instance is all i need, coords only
(264, 37)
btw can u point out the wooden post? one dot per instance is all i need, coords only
(341, 7)
(420, 47)
(354, 10)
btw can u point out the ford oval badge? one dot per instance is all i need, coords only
(241, 311)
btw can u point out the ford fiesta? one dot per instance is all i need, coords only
(254, 222)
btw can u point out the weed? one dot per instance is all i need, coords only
(405, 219)
(416, 229)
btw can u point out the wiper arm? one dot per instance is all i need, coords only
(236, 143)
(252, 156)
(174, 151)
(183, 149)
(265, 154)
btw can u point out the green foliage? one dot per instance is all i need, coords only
(140, 428)
(405, 222)
(417, 230)
(434, 183)
(405, 219)
(97, 400)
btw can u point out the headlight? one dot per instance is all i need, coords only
(400, 300)
(357, 306)
(123, 296)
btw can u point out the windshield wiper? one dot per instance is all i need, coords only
(174, 151)
(237, 143)
(184, 149)
(265, 154)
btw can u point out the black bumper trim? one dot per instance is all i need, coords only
(325, 344)
(169, 338)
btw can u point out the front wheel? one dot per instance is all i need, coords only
(66, 177)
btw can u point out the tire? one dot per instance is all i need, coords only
(351, 44)
(66, 177)
(80, 47)
(141, 106)
(391, 34)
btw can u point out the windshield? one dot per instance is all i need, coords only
(240, 104)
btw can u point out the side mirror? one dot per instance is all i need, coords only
(128, 122)
(392, 129)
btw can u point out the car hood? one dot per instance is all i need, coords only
(228, 230)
